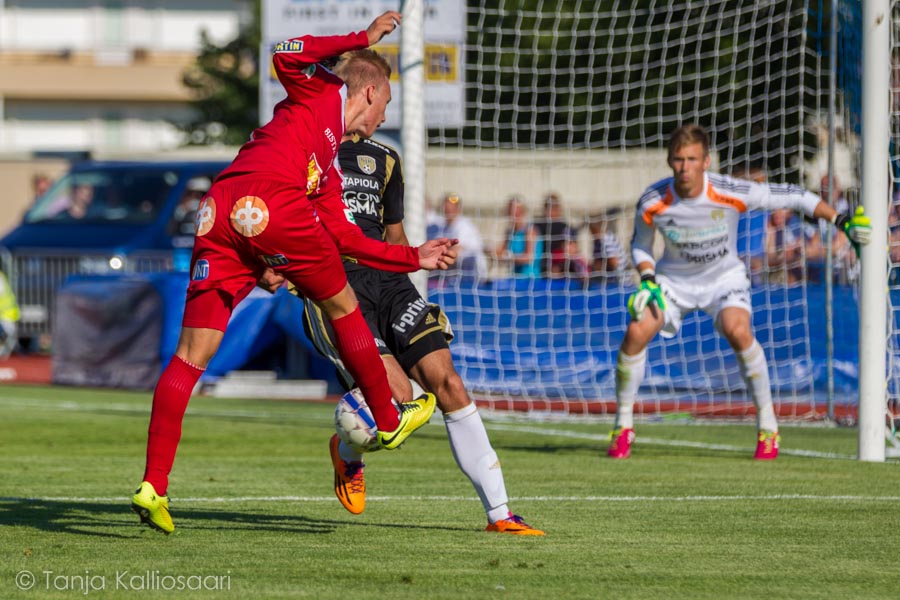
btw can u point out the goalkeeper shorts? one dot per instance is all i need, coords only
(684, 296)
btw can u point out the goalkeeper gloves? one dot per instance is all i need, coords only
(858, 228)
(649, 291)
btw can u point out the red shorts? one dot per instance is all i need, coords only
(245, 224)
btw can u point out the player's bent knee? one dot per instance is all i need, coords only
(340, 305)
(198, 345)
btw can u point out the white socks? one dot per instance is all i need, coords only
(629, 376)
(477, 459)
(755, 371)
(474, 455)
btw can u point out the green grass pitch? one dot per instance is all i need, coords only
(690, 515)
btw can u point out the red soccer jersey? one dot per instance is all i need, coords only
(301, 141)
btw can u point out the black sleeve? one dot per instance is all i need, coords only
(392, 199)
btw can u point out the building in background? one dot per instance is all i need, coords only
(101, 75)
(98, 78)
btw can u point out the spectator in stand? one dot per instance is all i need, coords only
(894, 229)
(844, 259)
(553, 229)
(471, 260)
(569, 261)
(522, 246)
(784, 247)
(608, 261)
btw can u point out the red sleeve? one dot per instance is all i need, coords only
(351, 241)
(293, 59)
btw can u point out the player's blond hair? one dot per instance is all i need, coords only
(687, 135)
(361, 68)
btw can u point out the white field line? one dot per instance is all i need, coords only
(14, 402)
(641, 440)
(240, 499)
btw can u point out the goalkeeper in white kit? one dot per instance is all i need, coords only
(697, 213)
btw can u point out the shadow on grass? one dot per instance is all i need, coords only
(97, 519)
(638, 451)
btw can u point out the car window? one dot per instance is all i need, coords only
(182, 223)
(126, 196)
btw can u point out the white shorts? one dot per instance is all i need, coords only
(732, 288)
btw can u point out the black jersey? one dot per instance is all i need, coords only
(373, 185)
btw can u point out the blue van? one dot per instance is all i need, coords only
(103, 217)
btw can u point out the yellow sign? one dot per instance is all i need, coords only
(441, 62)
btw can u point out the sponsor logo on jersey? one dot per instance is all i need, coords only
(201, 270)
(688, 234)
(363, 203)
(366, 164)
(205, 216)
(702, 259)
(250, 216)
(295, 46)
(274, 260)
(331, 139)
(313, 174)
(349, 215)
(717, 214)
(364, 182)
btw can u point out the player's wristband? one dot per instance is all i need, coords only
(648, 275)
(840, 221)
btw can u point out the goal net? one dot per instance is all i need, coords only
(577, 99)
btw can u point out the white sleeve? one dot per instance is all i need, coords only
(642, 242)
(782, 195)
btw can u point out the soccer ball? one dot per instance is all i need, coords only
(354, 423)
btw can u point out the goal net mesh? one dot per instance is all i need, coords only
(578, 99)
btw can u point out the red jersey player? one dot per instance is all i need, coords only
(279, 205)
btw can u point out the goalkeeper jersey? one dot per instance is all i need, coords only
(700, 233)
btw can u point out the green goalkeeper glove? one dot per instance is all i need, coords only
(858, 228)
(648, 292)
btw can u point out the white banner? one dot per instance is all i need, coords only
(444, 37)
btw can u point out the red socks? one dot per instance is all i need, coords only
(356, 346)
(170, 400)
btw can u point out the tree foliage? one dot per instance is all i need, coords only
(224, 83)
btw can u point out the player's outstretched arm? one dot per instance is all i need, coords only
(294, 59)
(383, 25)
(439, 253)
